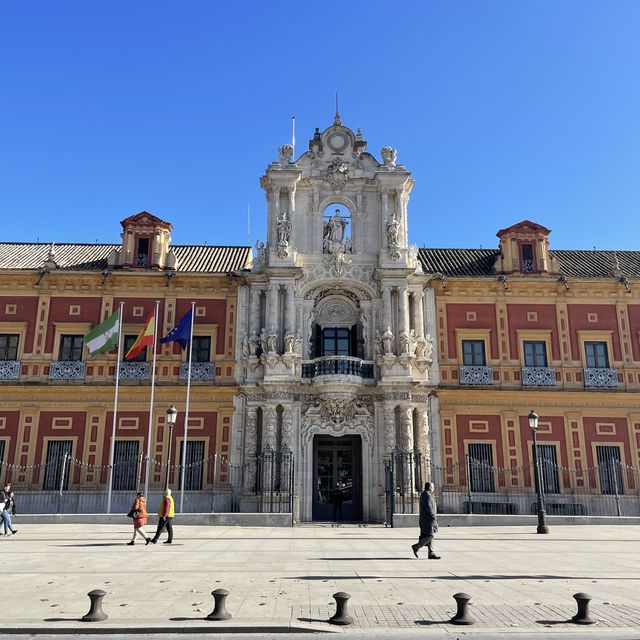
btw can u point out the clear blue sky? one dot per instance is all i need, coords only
(502, 109)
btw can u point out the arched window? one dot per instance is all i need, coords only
(336, 228)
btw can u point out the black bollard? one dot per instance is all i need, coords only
(462, 614)
(582, 617)
(219, 612)
(95, 610)
(341, 616)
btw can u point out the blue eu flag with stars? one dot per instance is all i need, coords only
(181, 333)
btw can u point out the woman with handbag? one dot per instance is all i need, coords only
(139, 514)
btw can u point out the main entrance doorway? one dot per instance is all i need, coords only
(337, 478)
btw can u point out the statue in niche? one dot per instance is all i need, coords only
(389, 155)
(413, 342)
(263, 340)
(405, 341)
(254, 342)
(284, 154)
(428, 349)
(272, 340)
(246, 349)
(387, 341)
(379, 345)
(421, 345)
(335, 227)
(393, 231)
(284, 229)
(289, 343)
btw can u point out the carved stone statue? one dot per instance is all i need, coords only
(297, 345)
(284, 229)
(387, 341)
(379, 345)
(261, 256)
(263, 340)
(421, 345)
(334, 227)
(392, 231)
(389, 155)
(272, 340)
(413, 342)
(428, 349)
(246, 349)
(337, 174)
(284, 154)
(404, 342)
(253, 341)
(289, 343)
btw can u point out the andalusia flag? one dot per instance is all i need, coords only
(104, 337)
(145, 339)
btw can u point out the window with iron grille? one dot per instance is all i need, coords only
(528, 264)
(481, 468)
(609, 470)
(535, 353)
(473, 353)
(53, 470)
(201, 349)
(597, 356)
(128, 343)
(8, 346)
(125, 465)
(194, 464)
(548, 461)
(71, 347)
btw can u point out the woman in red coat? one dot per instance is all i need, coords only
(139, 505)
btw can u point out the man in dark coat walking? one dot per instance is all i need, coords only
(428, 522)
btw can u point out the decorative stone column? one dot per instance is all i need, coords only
(269, 435)
(271, 319)
(250, 447)
(389, 430)
(403, 312)
(422, 440)
(386, 307)
(287, 449)
(289, 310)
(405, 443)
(254, 311)
(418, 319)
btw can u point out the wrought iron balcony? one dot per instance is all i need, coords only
(476, 375)
(338, 366)
(66, 370)
(538, 376)
(200, 371)
(9, 369)
(135, 371)
(600, 377)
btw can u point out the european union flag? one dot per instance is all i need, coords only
(181, 333)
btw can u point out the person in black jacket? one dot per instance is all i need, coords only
(428, 522)
(8, 510)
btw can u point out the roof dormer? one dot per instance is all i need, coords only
(524, 248)
(145, 244)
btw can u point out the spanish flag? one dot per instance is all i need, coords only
(144, 339)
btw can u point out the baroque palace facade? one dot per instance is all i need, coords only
(336, 350)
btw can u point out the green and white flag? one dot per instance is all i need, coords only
(104, 337)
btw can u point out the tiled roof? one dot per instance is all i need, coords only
(467, 263)
(93, 257)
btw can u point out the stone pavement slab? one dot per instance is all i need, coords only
(283, 579)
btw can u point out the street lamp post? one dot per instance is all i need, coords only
(542, 514)
(172, 414)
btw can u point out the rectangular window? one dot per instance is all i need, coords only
(535, 353)
(597, 356)
(201, 349)
(481, 468)
(548, 461)
(128, 343)
(610, 470)
(527, 259)
(125, 465)
(143, 252)
(473, 353)
(194, 464)
(53, 467)
(8, 346)
(71, 347)
(335, 342)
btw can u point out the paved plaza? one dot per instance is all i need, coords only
(282, 580)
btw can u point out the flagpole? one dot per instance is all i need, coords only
(115, 411)
(186, 412)
(153, 388)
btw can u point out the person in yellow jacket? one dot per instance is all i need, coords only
(166, 513)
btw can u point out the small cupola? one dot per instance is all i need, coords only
(145, 244)
(524, 248)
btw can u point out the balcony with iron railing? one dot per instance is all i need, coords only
(9, 370)
(538, 376)
(600, 377)
(476, 376)
(338, 366)
(67, 370)
(200, 371)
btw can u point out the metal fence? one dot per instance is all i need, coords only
(607, 489)
(211, 485)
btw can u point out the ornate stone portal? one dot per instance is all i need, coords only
(333, 323)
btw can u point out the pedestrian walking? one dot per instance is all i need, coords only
(428, 522)
(139, 514)
(166, 513)
(8, 510)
